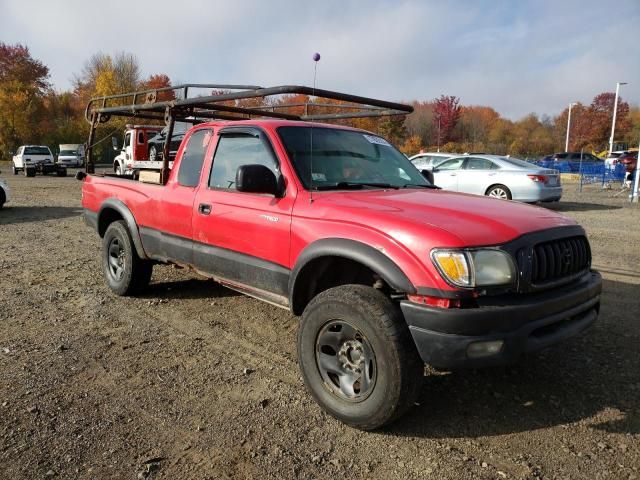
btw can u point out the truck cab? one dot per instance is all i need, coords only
(134, 153)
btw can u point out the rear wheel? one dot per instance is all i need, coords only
(499, 191)
(357, 356)
(61, 172)
(29, 172)
(3, 198)
(125, 272)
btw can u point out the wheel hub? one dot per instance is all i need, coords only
(346, 361)
(351, 356)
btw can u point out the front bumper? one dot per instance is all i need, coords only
(525, 324)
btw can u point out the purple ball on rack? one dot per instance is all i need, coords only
(316, 57)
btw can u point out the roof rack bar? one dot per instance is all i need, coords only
(338, 116)
(211, 102)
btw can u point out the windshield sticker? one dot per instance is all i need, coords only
(377, 140)
(319, 177)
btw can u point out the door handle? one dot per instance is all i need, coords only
(204, 209)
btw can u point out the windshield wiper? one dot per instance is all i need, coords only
(354, 186)
(411, 185)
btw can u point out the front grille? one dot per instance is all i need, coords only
(558, 259)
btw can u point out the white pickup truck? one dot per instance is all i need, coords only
(31, 159)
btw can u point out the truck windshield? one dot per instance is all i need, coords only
(37, 151)
(68, 153)
(331, 158)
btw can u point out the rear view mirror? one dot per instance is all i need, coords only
(114, 143)
(256, 179)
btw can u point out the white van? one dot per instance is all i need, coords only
(71, 154)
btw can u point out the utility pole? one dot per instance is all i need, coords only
(615, 111)
(566, 143)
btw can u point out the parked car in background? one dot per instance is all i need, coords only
(501, 177)
(426, 161)
(5, 193)
(573, 157)
(612, 158)
(156, 143)
(630, 162)
(36, 158)
(71, 154)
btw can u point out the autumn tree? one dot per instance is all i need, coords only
(23, 84)
(159, 81)
(446, 116)
(601, 116)
(420, 122)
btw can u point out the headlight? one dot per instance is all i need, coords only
(475, 268)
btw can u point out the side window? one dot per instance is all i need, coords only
(236, 150)
(452, 164)
(141, 137)
(127, 139)
(479, 164)
(193, 157)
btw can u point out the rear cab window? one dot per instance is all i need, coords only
(193, 157)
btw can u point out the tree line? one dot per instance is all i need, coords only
(32, 112)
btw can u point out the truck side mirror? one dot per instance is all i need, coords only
(114, 143)
(428, 174)
(256, 179)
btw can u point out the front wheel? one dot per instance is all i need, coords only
(125, 272)
(119, 171)
(15, 170)
(357, 356)
(499, 191)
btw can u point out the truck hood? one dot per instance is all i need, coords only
(469, 220)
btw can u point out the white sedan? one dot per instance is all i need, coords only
(501, 177)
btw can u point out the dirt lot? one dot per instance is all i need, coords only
(97, 386)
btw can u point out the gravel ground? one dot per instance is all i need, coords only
(191, 380)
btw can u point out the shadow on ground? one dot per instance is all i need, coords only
(12, 215)
(595, 372)
(191, 289)
(578, 206)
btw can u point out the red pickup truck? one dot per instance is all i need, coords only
(334, 224)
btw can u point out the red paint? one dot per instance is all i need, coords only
(403, 224)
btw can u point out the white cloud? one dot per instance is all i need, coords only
(517, 57)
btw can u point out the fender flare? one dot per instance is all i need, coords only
(359, 252)
(125, 213)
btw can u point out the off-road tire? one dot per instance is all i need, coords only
(495, 189)
(136, 272)
(399, 369)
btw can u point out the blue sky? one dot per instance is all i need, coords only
(517, 56)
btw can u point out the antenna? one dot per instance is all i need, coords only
(316, 59)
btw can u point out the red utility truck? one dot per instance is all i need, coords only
(334, 224)
(134, 153)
